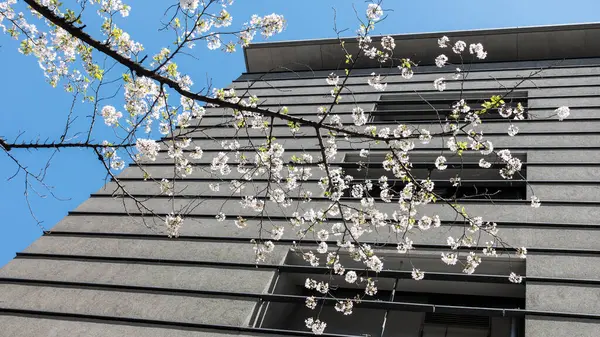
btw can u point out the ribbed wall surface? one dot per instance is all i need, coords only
(105, 273)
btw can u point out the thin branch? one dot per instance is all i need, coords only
(36, 146)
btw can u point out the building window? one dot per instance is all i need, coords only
(475, 182)
(373, 316)
(455, 325)
(436, 106)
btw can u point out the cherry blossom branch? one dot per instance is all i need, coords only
(58, 146)
(142, 71)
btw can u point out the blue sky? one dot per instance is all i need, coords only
(33, 107)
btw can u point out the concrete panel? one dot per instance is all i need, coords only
(533, 86)
(570, 102)
(346, 118)
(326, 98)
(563, 298)
(208, 157)
(576, 113)
(307, 113)
(345, 106)
(519, 68)
(589, 173)
(517, 236)
(534, 45)
(525, 126)
(307, 101)
(294, 58)
(203, 189)
(262, 58)
(545, 191)
(159, 172)
(565, 266)
(117, 224)
(491, 212)
(212, 121)
(550, 326)
(428, 74)
(534, 90)
(533, 156)
(591, 36)
(171, 249)
(333, 57)
(290, 144)
(557, 156)
(15, 326)
(125, 304)
(499, 47)
(305, 58)
(570, 192)
(176, 277)
(546, 173)
(284, 75)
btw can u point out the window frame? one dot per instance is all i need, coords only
(283, 284)
(468, 169)
(409, 107)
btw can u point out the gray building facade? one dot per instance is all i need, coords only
(106, 270)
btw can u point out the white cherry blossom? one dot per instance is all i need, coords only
(441, 61)
(440, 84)
(443, 42)
(374, 12)
(562, 112)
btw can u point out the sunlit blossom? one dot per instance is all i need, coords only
(562, 112)
(441, 60)
(443, 42)
(440, 84)
(374, 12)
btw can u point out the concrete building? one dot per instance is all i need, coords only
(103, 272)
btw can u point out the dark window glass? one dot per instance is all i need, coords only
(437, 106)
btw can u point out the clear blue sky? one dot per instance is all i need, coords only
(32, 106)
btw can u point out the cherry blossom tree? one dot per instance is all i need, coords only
(160, 99)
